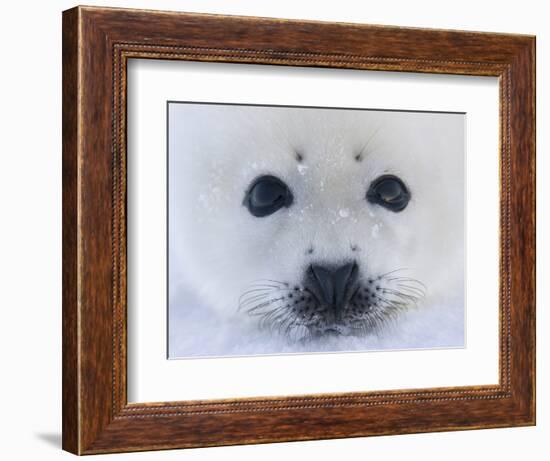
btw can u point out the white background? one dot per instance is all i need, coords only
(30, 247)
(153, 378)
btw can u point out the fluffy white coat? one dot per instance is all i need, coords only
(218, 250)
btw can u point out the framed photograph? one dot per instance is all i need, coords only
(282, 230)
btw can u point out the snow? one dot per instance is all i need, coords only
(197, 331)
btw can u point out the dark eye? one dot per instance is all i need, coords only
(390, 192)
(266, 195)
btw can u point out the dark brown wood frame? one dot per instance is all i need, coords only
(97, 43)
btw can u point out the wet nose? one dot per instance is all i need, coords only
(332, 284)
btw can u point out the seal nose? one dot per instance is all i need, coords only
(331, 284)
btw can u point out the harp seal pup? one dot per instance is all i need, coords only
(320, 224)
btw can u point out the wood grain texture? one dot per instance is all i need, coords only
(97, 43)
(70, 384)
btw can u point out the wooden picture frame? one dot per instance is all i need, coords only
(97, 43)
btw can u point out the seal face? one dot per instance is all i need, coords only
(317, 223)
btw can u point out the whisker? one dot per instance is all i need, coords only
(254, 310)
(408, 280)
(265, 285)
(244, 303)
(255, 290)
(393, 272)
(249, 296)
(279, 283)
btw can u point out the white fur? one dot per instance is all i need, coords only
(218, 249)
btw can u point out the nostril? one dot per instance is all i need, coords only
(342, 277)
(323, 283)
(331, 283)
